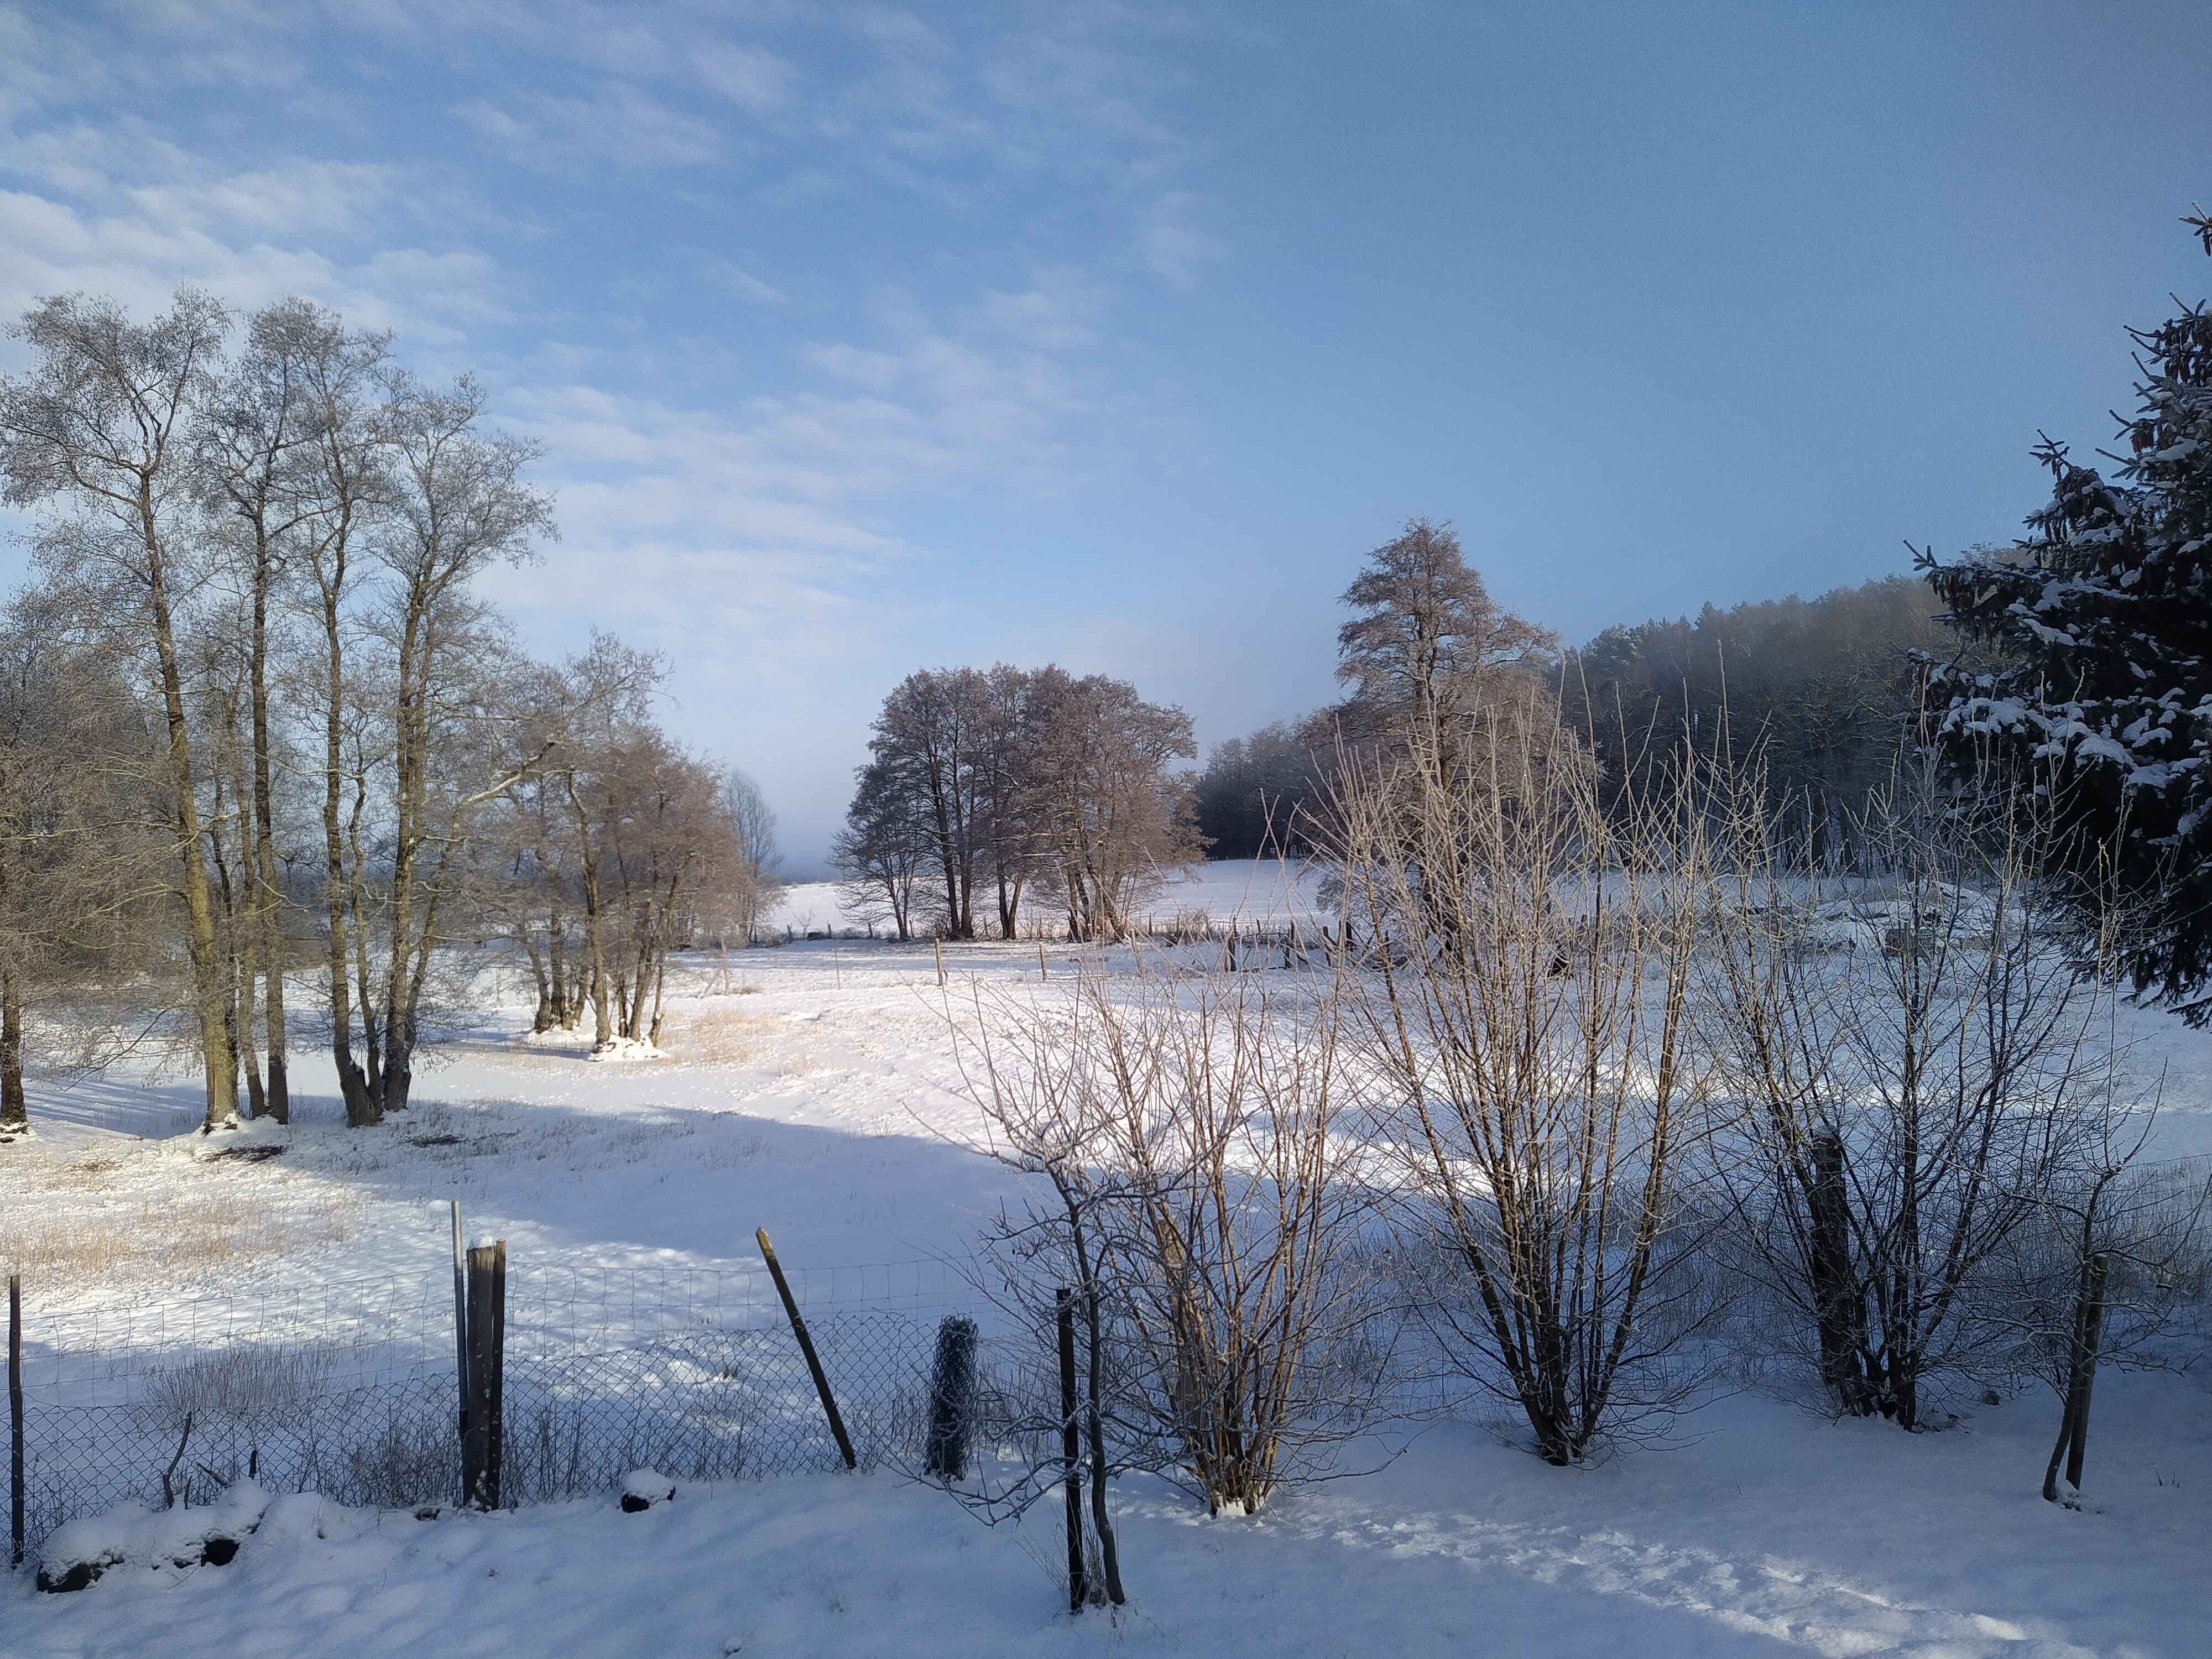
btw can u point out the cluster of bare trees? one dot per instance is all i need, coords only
(986, 787)
(261, 711)
(621, 846)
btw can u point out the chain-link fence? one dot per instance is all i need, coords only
(349, 1389)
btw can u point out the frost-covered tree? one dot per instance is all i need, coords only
(96, 439)
(1428, 650)
(2098, 625)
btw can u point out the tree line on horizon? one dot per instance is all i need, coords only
(1822, 692)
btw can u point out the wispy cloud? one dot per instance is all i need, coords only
(249, 238)
(618, 125)
(756, 81)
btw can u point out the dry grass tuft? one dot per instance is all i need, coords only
(723, 1036)
(212, 1229)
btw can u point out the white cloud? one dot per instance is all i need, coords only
(618, 124)
(755, 80)
(745, 282)
(160, 236)
(1171, 242)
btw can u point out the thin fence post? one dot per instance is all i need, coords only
(807, 1347)
(482, 1446)
(938, 945)
(461, 1340)
(16, 1471)
(1071, 1451)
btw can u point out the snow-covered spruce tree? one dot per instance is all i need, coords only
(2098, 623)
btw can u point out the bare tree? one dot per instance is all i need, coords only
(752, 821)
(1430, 648)
(1914, 1063)
(1110, 819)
(98, 433)
(1199, 1190)
(880, 852)
(81, 922)
(1527, 1010)
(271, 418)
(459, 504)
(1007, 787)
(336, 486)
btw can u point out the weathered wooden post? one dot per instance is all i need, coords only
(484, 1441)
(16, 1471)
(1071, 1451)
(807, 1347)
(461, 1330)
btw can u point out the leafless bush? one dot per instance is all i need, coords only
(1918, 1065)
(1526, 1011)
(1199, 1190)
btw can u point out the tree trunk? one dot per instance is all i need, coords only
(15, 1114)
(360, 1105)
(211, 993)
(2081, 1375)
(241, 914)
(594, 943)
(270, 933)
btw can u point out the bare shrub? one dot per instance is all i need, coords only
(1920, 1059)
(1526, 1013)
(1201, 1194)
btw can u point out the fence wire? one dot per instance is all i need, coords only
(349, 1390)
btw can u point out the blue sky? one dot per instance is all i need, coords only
(864, 338)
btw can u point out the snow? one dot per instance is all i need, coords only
(817, 1096)
(165, 1541)
(1247, 890)
(1777, 1534)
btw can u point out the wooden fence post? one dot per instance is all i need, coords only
(807, 1347)
(483, 1443)
(16, 1471)
(1071, 1451)
(461, 1330)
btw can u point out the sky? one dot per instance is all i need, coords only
(860, 339)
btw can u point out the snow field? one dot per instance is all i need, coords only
(818, 1097)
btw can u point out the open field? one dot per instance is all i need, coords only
(818, 1097)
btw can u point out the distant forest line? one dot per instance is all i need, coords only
(1821, 693)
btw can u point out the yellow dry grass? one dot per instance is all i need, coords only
(723, 1036)
(209, 1230)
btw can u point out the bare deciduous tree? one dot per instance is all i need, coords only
(1914, 1062)
(1110, 819)
(1204, 1199)
(97, 434)
(1527, 1013)
(81, 923)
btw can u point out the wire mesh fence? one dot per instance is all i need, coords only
(349, 1389)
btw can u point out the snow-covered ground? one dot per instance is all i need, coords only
(1267, 891)
(815, 1093)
